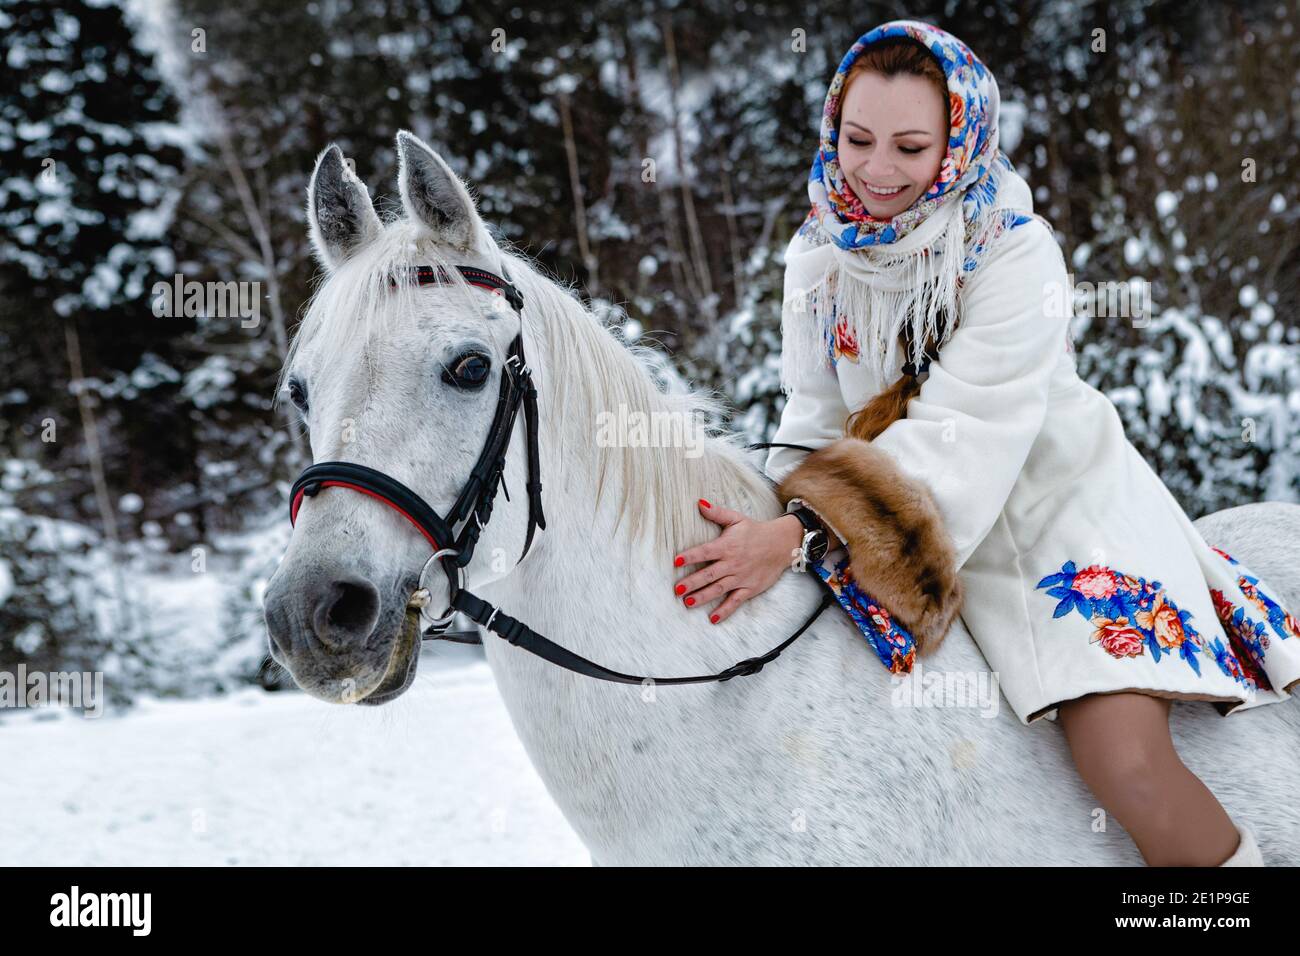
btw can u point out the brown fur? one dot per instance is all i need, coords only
(899, 550)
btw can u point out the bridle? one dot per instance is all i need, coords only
(453, 551)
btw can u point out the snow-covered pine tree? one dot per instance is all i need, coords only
(85, 144)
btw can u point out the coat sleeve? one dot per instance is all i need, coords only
(814, 411)
(813, 415)
(968, 433)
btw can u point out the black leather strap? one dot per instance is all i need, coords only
(806, 518)
(536, 518)
(777, 444)
(519, 634)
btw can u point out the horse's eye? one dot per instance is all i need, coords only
(468, 371)
(298, 395)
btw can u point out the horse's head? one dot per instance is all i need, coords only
(404, 379)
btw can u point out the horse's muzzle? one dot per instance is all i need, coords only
(340, 638)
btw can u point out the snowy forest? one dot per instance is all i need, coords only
(146, 460)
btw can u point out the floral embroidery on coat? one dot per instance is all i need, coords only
(1283, 622)
(1133, 617)
(893, 644)
(1247, 636)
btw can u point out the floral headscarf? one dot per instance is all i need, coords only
(901, 275)
(972, 143)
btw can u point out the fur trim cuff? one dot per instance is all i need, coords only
(899, 551)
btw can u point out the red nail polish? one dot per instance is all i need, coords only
(678, 561)
(690, 602)
(705, 503)
(713, 619)
(681, 589)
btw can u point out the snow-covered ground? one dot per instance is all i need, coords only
(437, 777)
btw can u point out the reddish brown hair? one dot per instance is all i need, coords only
(893, 56)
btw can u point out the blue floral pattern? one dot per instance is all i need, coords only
(1283, 623)
(972, 151)
(1247, 636)
(892, 643)
(1133, 617)
(1253, 635)
(971, 165)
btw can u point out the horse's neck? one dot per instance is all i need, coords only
(585, 589)
(595, 744)
(582, 587)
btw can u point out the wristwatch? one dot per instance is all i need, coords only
(815, 543)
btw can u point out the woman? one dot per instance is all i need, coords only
(988, 467)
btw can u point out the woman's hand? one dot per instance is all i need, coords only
(742, 562)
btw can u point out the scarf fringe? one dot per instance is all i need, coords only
(871, 293)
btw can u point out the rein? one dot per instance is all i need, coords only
(474, 506)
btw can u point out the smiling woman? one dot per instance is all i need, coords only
(1038, 491)
(893, 125)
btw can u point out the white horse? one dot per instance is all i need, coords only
(822, 758)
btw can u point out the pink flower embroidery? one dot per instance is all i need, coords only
(1118, 638)
(1096, 582)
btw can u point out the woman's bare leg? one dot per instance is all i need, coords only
(1123, 750)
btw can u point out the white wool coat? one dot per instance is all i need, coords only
(1082, 573)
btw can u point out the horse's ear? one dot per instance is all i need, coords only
(435, 196)
(339, 209)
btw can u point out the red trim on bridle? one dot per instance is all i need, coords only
(481, 278)
(297, 503)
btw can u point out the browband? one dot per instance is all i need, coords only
(436, 275)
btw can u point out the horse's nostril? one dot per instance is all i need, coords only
(346, 612)
(278, 629)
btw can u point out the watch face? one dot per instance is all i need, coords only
(814, 545)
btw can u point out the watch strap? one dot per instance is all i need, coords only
(807, 518)
(812, 530)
